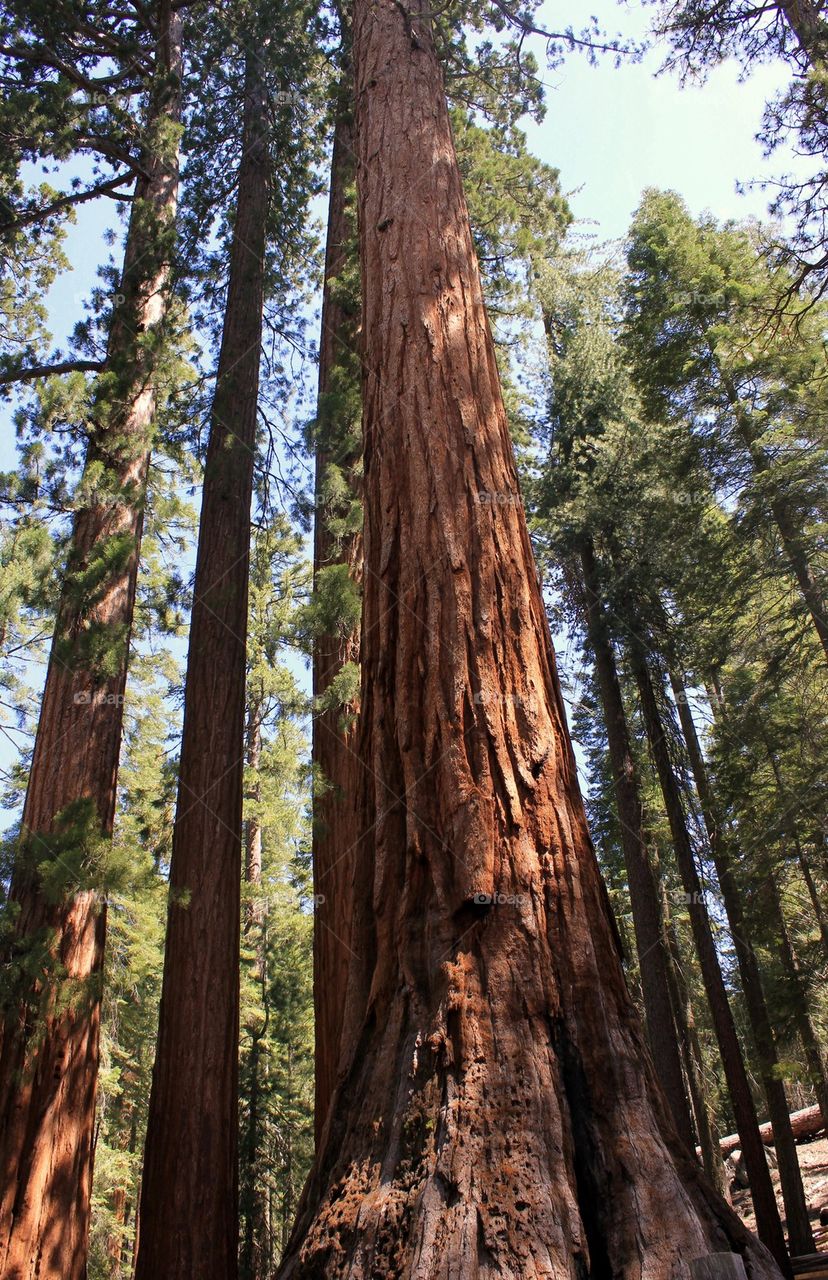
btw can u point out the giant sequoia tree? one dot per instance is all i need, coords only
(499, 1112)
(189, 1209)
(49, 1059)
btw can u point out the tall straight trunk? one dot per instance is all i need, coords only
(651, 943)
(50, 1040)
(768, 1223)
(189, 1218)
(335, 828)
(499, 1114)
(691, 1053)
(817, 899)
(253, 919)
(252, 1195)
(796, 982)
(120, 1204)
(798, 995)
(790, 1176)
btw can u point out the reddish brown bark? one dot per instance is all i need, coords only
(49, 1057)
(335, 828)
(189, 1211)
(499, 1115)
(253, 1262)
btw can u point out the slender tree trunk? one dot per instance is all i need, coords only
(651, 944)
(499, 1113)
(790, 1177)
(798, 994)
(335, 828)
(692, 1058)
(50, 1042)
(797, 984)
(817, 899)
(253, 918)
(252, 1195)
(768, 1223)
(121, 1205)
(189, 1211)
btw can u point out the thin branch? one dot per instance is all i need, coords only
(108, 188)
(9, 376)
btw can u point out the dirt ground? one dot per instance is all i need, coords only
(813, 1161)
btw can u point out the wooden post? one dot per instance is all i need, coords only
(718, 1266)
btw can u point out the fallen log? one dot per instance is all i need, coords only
(804, 1123)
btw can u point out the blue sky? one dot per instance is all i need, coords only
(613, 132)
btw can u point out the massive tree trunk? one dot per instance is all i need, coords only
(761, 1188)
(335, 828)
(49, 1056)
(189, 1219)
(790, 1177)
(651, 943)
(499, 1115)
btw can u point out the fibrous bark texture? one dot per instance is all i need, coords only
(499, 1116)
(189, 1194)
(49, 1056)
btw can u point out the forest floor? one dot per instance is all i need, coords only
(813, 1161)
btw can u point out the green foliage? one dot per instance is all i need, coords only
(334, 609)
(276, 1053)
(638, 448)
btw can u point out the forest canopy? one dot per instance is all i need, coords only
(345, 930)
